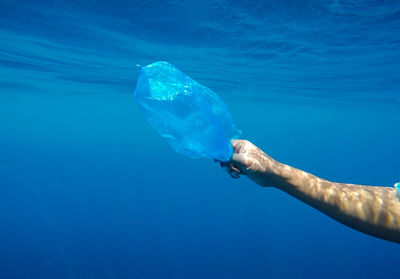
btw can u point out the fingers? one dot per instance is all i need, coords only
(237, 163)
(237, 146)
(234, 174)
(238, 155)
(240, 146)
(233, 171)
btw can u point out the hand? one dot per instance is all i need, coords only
(251, 161)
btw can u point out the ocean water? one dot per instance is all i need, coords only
(89, 190)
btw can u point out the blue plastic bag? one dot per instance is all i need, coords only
(397, 186)
(189, 116)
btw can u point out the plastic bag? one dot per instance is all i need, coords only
(189, 116)
(397, 186)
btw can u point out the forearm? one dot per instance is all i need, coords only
(370, 209)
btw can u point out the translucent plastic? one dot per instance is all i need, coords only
(189, 116)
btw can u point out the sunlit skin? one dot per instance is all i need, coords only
(373, 210)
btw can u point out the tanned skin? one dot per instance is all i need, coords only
(373, 210)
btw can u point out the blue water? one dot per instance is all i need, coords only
(89, 190)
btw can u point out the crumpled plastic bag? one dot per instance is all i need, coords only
(189, 116)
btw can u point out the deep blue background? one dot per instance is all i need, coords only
(88, 190)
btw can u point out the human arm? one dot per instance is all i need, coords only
(370, 209)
